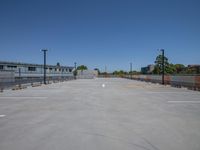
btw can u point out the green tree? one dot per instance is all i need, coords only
(193, 70)
(180, 68)
(170, 69)
(82, 67)
(156, 70)
(119, 73)
(158, 65)
(133, 72)
(115, 73)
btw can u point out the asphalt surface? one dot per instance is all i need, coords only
(84, 115)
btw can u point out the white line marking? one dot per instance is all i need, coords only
(1, 116)
(16, 97)
(184, 102)
(172, 92)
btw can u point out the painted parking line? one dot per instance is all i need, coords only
(17, 97)
(1, 116)
(193, 102)
(159, 92)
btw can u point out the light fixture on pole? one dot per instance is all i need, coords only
(131, 69)
(75, 71)
(75, 65)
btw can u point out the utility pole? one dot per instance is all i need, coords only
(20, 80)
(44, 50)
(131, 69)
(19, 73)
(163, 66)
(75, 71)
(75, 65)
(105, 71)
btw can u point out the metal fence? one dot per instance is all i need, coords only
(21, 82)
(189, 81)
(108, 76)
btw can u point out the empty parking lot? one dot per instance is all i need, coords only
(100, 114)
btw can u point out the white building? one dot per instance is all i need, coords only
(35, 70)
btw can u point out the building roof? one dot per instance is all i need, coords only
(194, 65)
(35, 65)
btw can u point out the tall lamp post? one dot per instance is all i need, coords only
(75, 71)
(44, 50)
(163, 66)
(105, 71)
(20, 77)
(131, 69)
(75, 65)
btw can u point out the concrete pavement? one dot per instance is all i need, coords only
(84, 115)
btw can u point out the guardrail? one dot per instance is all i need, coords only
(21, 82)
(108, 76)
(190, 81)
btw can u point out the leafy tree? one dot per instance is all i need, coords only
(193, 70)
(82, 67)
(119, 73)
(180, 68)
(156, 70)
(115, 73)
(168, 68)
(158, 63)
(133, 72)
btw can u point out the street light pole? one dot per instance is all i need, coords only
(75, 71)
(20, 77)
(75, 65)
(131, 69)
(105, 71)
(44, 50)
(163, 66)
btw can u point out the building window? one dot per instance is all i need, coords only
(11, 67)
(1, 67)
(31, 68)
(70, 70)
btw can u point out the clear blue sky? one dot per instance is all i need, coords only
(100, 32)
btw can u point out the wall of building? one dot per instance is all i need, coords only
(35, 70)
(148, 69)
(86, 74)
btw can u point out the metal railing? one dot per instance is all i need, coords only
(189, 81)
(21, 82)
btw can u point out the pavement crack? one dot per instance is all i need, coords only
(119, 139)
